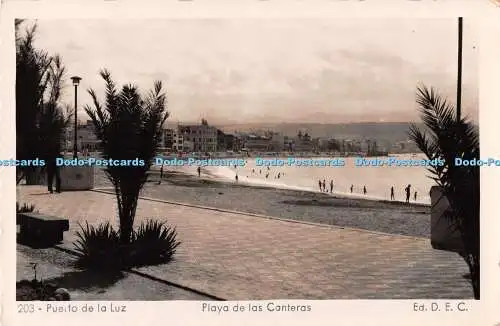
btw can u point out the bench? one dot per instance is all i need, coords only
(41, 229)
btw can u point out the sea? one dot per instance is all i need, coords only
(378, 180)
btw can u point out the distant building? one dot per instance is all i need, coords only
(174, 141)
(406, 146)
(168, 138)
(254, 143)
(277, 143)
(86, 137)
(203, 137)
(228, 142)
(303, 144)
(323, 144)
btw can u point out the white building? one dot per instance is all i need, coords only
(203, 137)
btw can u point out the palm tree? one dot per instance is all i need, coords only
(448, 138)
(128, 127)
(40, 121)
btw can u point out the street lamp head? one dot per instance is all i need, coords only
(76, 80)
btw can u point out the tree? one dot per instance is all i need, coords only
(128, 127)
(448, 139)
(40, 121)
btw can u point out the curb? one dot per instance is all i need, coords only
(285, 220)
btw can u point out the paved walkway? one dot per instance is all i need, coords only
(56, 267)
(240, 257)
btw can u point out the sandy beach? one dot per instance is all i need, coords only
(381, 216)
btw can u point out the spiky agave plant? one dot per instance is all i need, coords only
(448, 138)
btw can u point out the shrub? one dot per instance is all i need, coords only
(100, 247)
(34, 290)
(25, 208)
(153, 243)
(448, 137)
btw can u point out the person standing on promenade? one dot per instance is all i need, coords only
(408, 191)
(415, 196)
(392, 193)
(352, 188)
(199, 172)
(364, 190)
(53, 171)
(320, 185)
(324, 185)
(331, 186)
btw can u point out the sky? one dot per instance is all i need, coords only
(272, 70)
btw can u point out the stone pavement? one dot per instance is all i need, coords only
(53, 265)
(242, 257)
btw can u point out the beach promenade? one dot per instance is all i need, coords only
(239, 256)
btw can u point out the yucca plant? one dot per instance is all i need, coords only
(98, 247)
(129, 127)
(448, 138)
(153, 242)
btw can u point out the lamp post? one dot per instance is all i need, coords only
(76, 82)
(459, 72)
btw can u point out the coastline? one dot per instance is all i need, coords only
(184, 186)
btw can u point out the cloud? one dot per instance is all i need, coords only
(260, 70)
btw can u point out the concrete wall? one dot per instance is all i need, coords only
(443, 234)
(72, 178)
(77, 178)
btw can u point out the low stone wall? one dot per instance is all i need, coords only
(444, 235)
(77, 178)
(73, 178)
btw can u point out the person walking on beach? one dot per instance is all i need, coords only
(324, 185)
(408, 191)
(236, 177)
(352, 188)
(199, 172)
(53, 171)
(364, 190)
(320, 185)
(331, 186)
(415, 196)
(392, 193)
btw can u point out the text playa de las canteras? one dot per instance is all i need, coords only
(271, 306)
